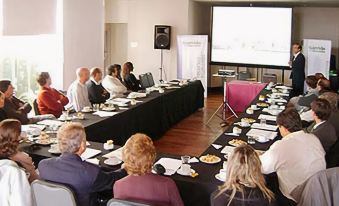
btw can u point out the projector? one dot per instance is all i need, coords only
(226, 72)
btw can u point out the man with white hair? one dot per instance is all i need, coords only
(85, 179)
(77, 93)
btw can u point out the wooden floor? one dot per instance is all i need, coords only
(192, 136)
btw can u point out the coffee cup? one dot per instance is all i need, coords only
(222, 174)
(86, 109)
(254, 106)
(161, 91)
(249, 111)
(261, 139)
(244, 124)
(133, 102)
(236, 130)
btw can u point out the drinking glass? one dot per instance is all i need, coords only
(185, 159)
(251, 140)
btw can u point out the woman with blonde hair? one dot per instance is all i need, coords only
(140, 184)
(245, 184)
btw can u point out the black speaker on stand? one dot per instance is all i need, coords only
(162, 40)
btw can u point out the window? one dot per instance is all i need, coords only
(22, 57)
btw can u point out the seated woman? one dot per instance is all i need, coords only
(14, 107)
(112, 83)
(50, 101)
(15, 189)
(84, 178)
(2, 104)
(245, 184)
(140, 184)
(131, 82)
(10, 130)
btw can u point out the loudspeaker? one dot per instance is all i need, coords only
(162, 37)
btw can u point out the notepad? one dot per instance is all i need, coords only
(262, 133)
(89, 153)
(116, 153)
(171, 165)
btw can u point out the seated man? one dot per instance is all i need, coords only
(296, 157)
(77, 93)
(311, 94)
(84, 178)
(14, 107)
(131, 82)
(112, 83)
(50, 100)
(323, 129)
(97, 94)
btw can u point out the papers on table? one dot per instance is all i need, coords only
(32, 129)
(283, 87)
(227, 150)
(116, 153)
(134, 95)
(171, 165)
(89, 153)
(268, 117)
(264, 126)
(105, 114)
(262, 133)
(94, 161)
(49, 122)
(281, 94)
(270, 100)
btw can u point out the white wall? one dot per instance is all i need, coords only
(142, 16)
(83, 36)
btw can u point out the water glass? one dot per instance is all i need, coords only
(251, 140)
(263, 121)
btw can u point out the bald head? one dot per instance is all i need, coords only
(82, 74)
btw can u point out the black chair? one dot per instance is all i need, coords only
(35, 107)
(146, 80)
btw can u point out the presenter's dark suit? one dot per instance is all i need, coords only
(298, 75)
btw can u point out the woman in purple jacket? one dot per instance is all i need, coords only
(140, 184)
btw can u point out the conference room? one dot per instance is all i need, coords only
(169, 103)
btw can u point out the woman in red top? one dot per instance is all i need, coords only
(50, 101)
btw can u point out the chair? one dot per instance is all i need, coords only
(35, 107)
(320, 189)
(52, 194)
(117, 202)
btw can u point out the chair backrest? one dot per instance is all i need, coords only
(117, 202)
(320, 189)
(35, 107)
(52, 194)
(146, 80)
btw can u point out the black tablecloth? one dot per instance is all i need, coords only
(154, 116)
(194, 191)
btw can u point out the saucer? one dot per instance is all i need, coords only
(179, 171)
(218, 177)
(112, 161)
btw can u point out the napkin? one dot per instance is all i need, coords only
(116, 153)
(217, 146)
(193, 160)
(232, 134)
(89, 153)
(227, 150)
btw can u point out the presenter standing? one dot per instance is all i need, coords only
(298, 70)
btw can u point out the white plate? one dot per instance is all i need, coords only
(217, 176)
(44, 142)
(54, 151)
(262, 141)
(216, 161)
(86, 111)
(181, 173)
(112, 161)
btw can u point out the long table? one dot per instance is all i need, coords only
(194, 191)
(157, 113)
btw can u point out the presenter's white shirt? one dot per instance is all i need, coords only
(295, 158)
(78, 96)
(114, 86)
(14, 187)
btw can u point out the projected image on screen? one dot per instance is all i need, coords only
(251, 35)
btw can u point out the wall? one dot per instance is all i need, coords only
(83, 36)
(142, 16)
